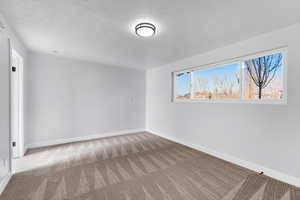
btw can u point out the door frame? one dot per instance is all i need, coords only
(18, 115)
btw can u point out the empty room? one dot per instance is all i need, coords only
(149, 100)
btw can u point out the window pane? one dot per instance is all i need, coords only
(264, 77)
(182, 83)
(217, 83)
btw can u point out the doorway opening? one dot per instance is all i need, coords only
(17, 137)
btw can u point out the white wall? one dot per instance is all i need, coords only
(69, 98)
(267, 135)
(4, 106)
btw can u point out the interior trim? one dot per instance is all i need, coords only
(244, 163)
(82, 138)
(4, 182)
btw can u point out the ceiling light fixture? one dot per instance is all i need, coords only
(145, 29)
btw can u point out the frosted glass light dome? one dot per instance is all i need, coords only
(145, 29)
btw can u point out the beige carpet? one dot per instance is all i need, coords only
(138, 166)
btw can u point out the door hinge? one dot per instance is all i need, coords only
(14, 69)
(14, 144)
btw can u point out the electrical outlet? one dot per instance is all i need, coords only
(2, 26)
(4, 167)
(132, 99)
(3, 163)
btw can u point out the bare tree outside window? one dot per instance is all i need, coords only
(259, 78)
(263, 71)
(219, 82)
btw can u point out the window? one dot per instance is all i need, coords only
(264, 77)
(220, 82)
(183, 85)
(256, 78)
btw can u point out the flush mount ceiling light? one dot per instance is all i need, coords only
(145, 29)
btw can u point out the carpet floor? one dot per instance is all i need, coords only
(137, 166)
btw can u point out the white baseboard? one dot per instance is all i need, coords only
(82, 138)
(243, 163)
(4, 182)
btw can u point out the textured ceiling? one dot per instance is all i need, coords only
(102, 30)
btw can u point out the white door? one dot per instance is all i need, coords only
(16, 104)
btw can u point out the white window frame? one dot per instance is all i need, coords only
(240, 60)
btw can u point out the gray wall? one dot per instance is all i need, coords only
(68, 98)
(4, 106)
(268, 135)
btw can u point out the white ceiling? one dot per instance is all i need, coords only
(102, 30)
